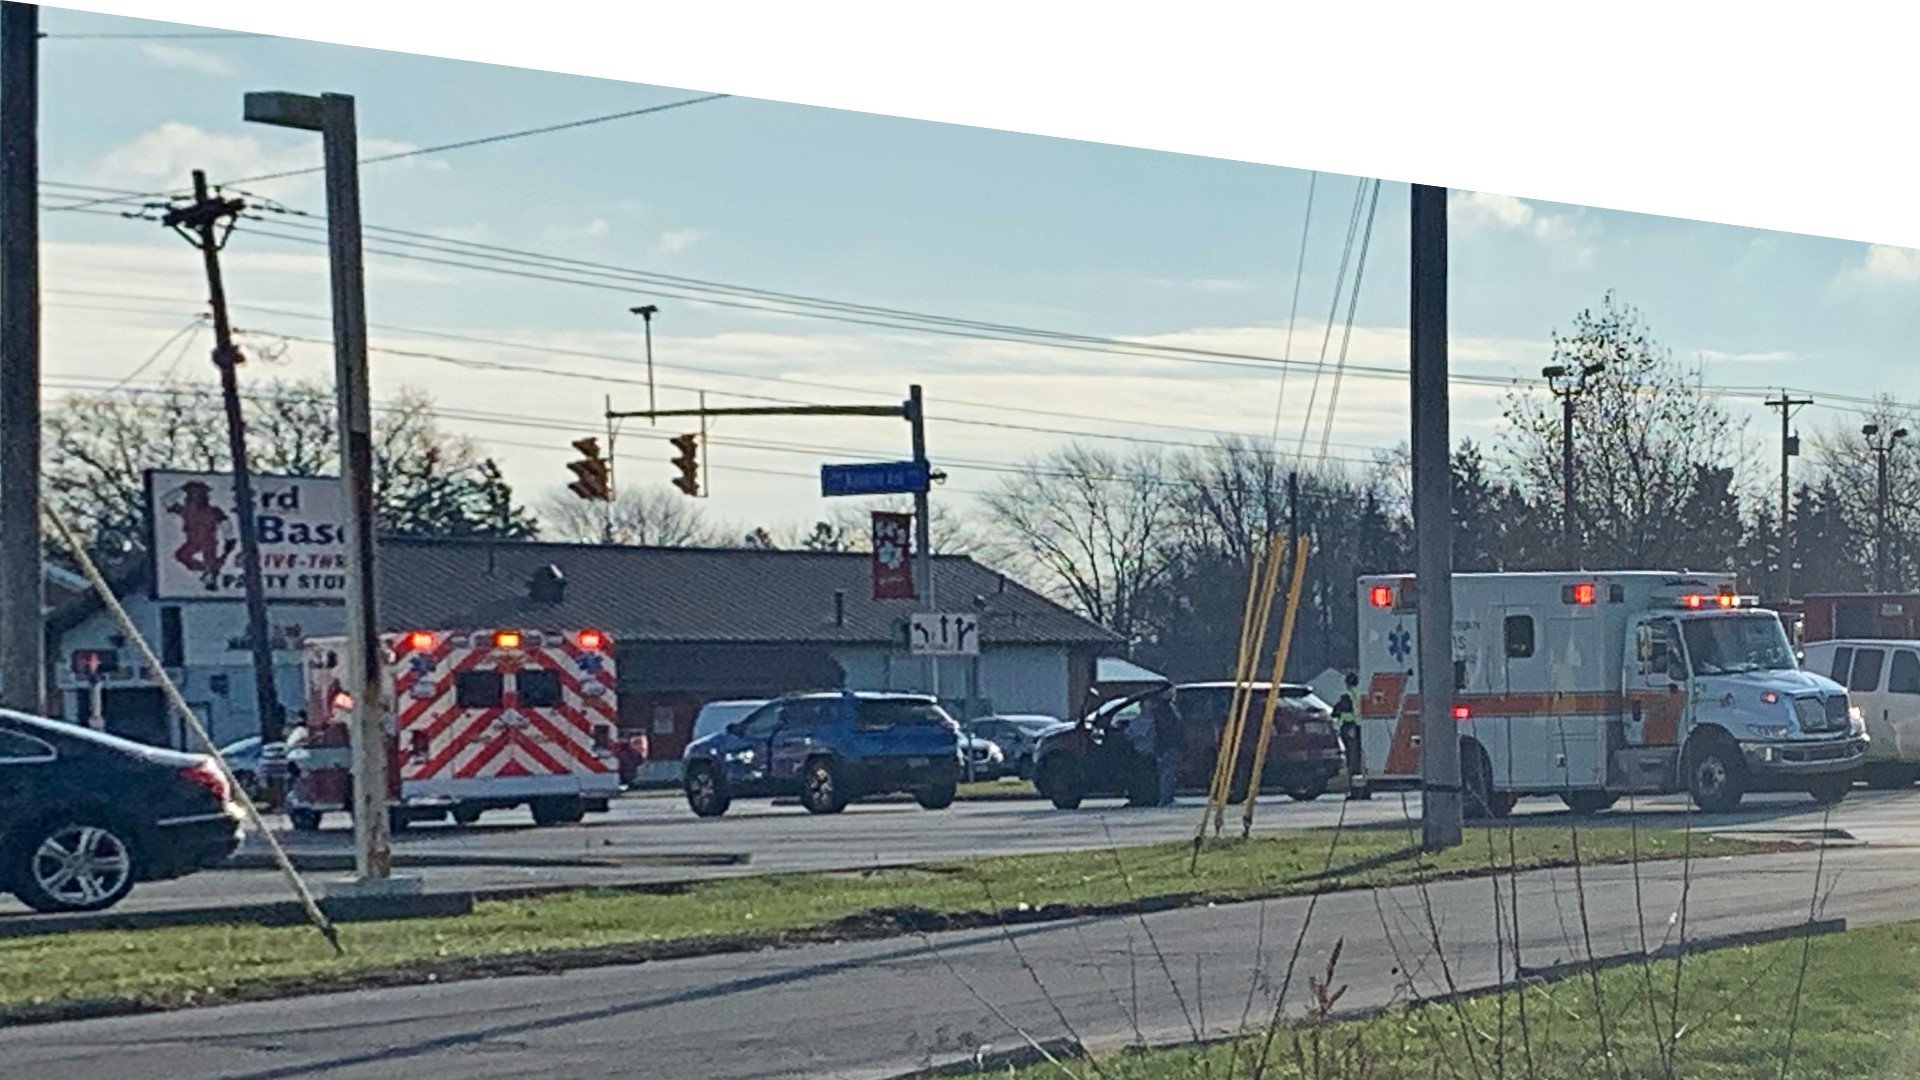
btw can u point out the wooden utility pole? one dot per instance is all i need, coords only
(1789, 448)
(206, 223)
(1440, 800)
(23, 665)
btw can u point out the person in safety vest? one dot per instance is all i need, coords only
(1347, 711)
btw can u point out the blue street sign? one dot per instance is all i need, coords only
(883, 478)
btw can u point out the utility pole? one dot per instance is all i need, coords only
(923, 529)
(332, 115)
(23, 665)
(1789, 449)
(1440, 798)
(1566, 385)
(206, 223)
(1881, 448)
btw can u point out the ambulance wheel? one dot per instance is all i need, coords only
(823, 790)
(1480, 800)
(1830, 790)
(1588, 803)
(304, 820)
(707, 794)
(559, 811)
(1716, 774)
(465, 814)
(398, 819)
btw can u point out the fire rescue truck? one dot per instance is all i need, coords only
(1594, 686)
(482, 720)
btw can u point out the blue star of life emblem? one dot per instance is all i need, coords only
(1400, 643)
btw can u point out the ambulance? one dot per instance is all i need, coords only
(1591, 686)
(483, 720)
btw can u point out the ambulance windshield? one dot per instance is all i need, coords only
(1734, 644)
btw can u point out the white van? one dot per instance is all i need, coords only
(1882, 676)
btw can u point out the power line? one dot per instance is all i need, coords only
(185, 35)
(488, 139)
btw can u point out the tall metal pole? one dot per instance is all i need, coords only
(1440, 804)
(1880, 523)
(204, 221)
(23, 666)
(1570, 548)
(922, 527)
(373, 857)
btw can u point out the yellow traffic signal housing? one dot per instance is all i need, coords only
(688, 462)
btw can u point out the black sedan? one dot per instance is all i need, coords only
(84, 815)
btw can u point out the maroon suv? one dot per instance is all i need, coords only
(1096, 757)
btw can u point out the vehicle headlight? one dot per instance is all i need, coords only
(744, 757)
(1768, 731)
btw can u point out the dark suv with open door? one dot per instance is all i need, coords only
(1097, 756)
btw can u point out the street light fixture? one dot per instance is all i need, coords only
(332, 115)
(1566, 384)
(1882, 449)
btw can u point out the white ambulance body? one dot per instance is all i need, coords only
(1591, 686)
(490, 719)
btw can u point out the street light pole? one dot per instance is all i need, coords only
(1567, 384)
(1881, 448)
(646, 313)
(332, 115)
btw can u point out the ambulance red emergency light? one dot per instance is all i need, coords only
(482, 720)
(1592, 686)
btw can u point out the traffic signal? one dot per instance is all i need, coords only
(595, 473)
(688, 462)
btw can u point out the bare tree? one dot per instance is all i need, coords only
(427, 481)
(1847, 470)
(641, 517)
(1088, 527)
(1649, 445)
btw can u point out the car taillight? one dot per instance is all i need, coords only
(207, 776)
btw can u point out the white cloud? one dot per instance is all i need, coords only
(1470, 211)
(674, 241)
(165, 157)
(179, 56)
(1889, 263)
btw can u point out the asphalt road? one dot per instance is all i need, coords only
(878, 1008)
(658, 839)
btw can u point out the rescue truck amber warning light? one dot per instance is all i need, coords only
(507, 639)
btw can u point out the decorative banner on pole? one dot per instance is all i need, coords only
(893, 557)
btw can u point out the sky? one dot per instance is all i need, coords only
(1064, 236)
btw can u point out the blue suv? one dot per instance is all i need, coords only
(829, 749)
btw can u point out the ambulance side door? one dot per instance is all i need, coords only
(1653, 682)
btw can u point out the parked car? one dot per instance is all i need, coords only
(248, 761)
(1017, 735)
(829, 749)
(84, 815)
(1096, 757)
(1882, 677)
(980, 758)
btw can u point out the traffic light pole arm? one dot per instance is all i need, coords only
(770, 410)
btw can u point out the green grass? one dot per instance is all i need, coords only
(177, 965)
(1859, 1017)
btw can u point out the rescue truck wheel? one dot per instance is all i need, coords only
(1479, 799)
(1058, 778)
(465, 814)
(304, 820)
(1587, 803)
(1716, 775)
(559, 811)
(707, 794)
(822, 789)
(1829, 790)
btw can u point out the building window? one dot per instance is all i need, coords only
(173, 641)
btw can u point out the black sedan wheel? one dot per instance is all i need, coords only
(74, 865)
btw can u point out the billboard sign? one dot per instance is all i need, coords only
(195, 533)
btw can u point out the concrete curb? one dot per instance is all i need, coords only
(324, 862)
(341, 909)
